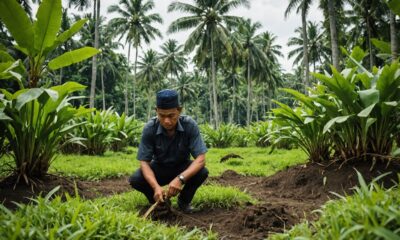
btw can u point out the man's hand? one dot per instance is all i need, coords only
(174, 187)
(158, 194)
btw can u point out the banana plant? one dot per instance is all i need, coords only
(34, 120)
(38, 40)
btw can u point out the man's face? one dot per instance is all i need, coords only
(168, 117)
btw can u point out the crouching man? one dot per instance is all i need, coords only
(164, 154)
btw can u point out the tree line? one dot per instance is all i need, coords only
(227, 70)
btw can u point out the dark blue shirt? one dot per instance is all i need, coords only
(157, 146)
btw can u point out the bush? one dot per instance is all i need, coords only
(127, 130)
(222, 137)
(371, 213)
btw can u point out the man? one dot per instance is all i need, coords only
(164, 154)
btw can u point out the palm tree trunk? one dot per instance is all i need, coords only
(248, 93)
(371, 51)
(214, 84)
(102, 87)
(148, 104)
(210, 98)
(96, 13)
(134, 82)
(393, 40)
(263, 99)
(334, 34)
(126, 93)
(305, 49)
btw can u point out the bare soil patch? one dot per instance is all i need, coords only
(285, 198)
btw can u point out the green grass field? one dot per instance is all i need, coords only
(256, 162)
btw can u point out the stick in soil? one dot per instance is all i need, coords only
(151, 209)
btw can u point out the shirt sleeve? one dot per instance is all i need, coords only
(197, 145)
(146, 146)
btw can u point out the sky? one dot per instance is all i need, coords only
(270, 13)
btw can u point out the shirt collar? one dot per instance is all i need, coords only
(161, 130)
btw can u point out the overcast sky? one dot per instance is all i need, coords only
(270, 13)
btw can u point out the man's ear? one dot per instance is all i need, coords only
(179, 109)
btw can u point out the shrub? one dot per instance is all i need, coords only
(303, 126)
(243, 138)
(127, 130)
(222, 137)
(35, 119)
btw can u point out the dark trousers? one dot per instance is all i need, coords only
(164, 175)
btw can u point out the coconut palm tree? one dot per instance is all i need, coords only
(209, 20)
(136, 25)
(173, 59)
(82, 4)
(255, 58)
(150, 74)
(186, 86)
(302, 6)
(317, 46)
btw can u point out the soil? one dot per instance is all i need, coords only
(285, 199)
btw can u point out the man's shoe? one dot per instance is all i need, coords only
(187, 208)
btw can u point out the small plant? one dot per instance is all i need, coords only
(127, 129)
(222, 137)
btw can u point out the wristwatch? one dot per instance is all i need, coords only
(182, 179)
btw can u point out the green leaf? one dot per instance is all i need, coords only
(48, 24)
(394, 5)
(28, 96)
(17, 23)
(70, 32)
(367, 111)
(67, 34)
(385, 233)
(368, 97)
(5, 57)
(331, 122)
(384, 47)
(3, 116)
(72, 57)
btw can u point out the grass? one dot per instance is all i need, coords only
(371, 213)
(255, 162)
(207, 196)
(77, 219)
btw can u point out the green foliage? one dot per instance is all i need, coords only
(127, 129)
(38, 40)
(371, 213)
(35, 122)
(354, 112)
(75, 219)
(222, 137)
(102, 130)
(303, 126)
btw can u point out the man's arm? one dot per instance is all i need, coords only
(148, 174)
(175, 186)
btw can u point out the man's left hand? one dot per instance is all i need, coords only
(174, 187)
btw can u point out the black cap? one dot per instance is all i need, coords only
(167, 98)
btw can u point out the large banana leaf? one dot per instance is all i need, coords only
(72, 57)
(48, 24)
(17, 23)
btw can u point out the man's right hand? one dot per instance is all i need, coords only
(158, 194)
